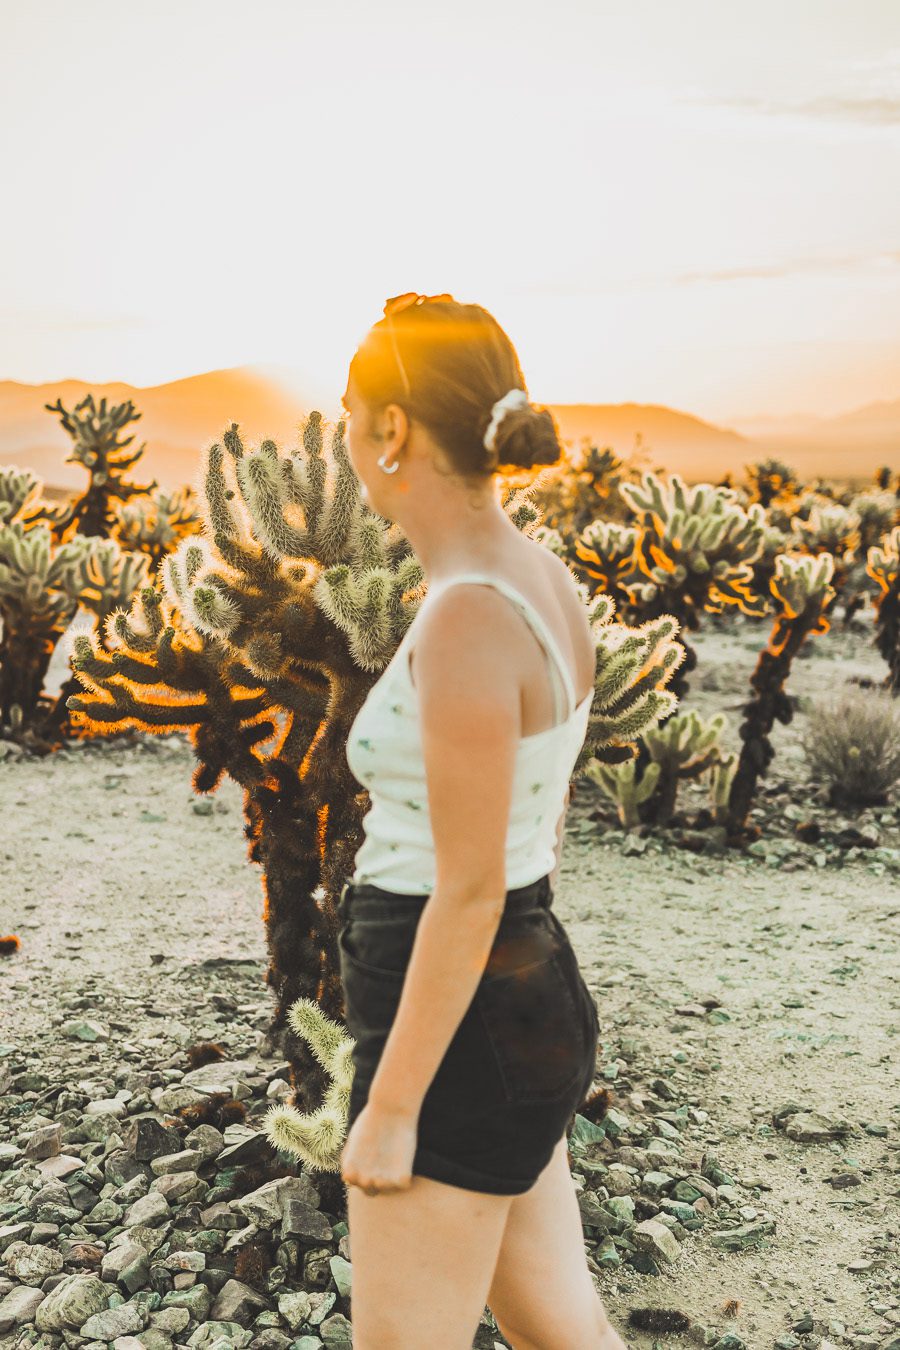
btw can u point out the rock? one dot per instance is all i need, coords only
(655, 1238)
(237, 1302)
(71, 1302)
(170, 1320)
(44, 1142)
(31, 1265)
(295, 1307)
(146, 1138)
(107, 1325)
(266, 1206)
(220, 1076)
(19, 1305)
(810, 1127)
(82, 1029)
(127, 1264)
(305, 1222)
(747, 1235)
(186, 1160)
(152, 1210)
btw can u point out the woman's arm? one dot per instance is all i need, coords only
(469, 710)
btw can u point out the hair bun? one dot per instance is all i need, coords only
(525, 437)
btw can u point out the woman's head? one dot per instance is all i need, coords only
(442, 365)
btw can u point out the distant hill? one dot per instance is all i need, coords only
(180, 418)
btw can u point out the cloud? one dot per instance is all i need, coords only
(881, 110)
(789, 267)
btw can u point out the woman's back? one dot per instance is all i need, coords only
(384, 751)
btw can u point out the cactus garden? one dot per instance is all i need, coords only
(178, 673)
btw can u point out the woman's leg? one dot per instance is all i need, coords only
(542, 1295)
(422, 1262)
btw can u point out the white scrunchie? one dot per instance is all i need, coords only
(516, 398)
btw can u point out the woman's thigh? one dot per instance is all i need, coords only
(422, 1261)
(542, 1292)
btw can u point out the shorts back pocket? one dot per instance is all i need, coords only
(535, 1028)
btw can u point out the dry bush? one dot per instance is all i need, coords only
(852, 743)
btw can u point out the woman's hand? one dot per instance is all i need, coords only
(378, 1152)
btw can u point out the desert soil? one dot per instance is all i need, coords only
(133, 906)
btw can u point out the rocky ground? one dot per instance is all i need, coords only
(744, 1177)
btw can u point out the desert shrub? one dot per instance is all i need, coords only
(852, 743)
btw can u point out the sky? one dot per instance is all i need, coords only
(694, 204)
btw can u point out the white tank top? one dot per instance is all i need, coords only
(384, 752)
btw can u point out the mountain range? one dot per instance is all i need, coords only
(181, 417)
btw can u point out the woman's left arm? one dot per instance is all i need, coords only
(470, 721)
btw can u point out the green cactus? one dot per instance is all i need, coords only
(261, 637)
(622, 785)
(721, 775)
(883, 565)
(41, 586)
(97, 447)
(802, 593)
(317, 1137)
(684, 746)
(155, 524)
(695, 547)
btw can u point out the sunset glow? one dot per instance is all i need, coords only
(690, 204)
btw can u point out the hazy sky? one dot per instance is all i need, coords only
(666, 201)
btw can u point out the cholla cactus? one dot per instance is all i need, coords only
(96, 446)
(802, 591)
(833, 528)
(607, 556)
(155, 524)
(316, 1137)
(41, 587)
(622, 785)
(770, 478)
(20, 490)
(696, 547)
(684, 746)
(883, 565)
(260, 638)
(877, 513)
(829, 528)
(721, 776)
(633, 665)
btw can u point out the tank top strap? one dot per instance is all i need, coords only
(538, 626)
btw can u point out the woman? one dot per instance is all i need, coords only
(475, 1034)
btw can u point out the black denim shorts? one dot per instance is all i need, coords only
(519, 1064)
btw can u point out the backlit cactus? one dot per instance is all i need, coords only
(693, 554)
(802, 592)
(260, 638)
(154, 524)
(633, 665)
(97, 447)
(41, 586)
(770, 478)
(606, 554)
(883, 565)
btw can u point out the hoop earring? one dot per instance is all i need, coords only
(382, 465)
